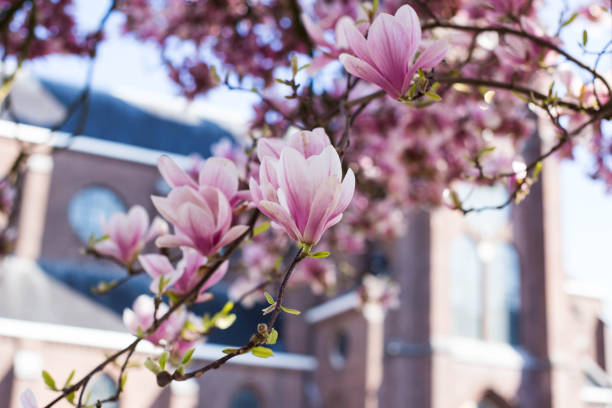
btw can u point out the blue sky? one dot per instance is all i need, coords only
(129, 65)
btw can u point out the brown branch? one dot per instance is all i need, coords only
(257, 339)
(187, 297)
(511, 31)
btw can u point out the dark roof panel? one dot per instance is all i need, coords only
(113, 119)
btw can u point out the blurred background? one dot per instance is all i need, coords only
(504, 308)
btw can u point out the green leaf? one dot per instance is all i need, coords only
(520, 96)
(294, 65)
(187, 357)
(272, 337)
(70, 397)
(163, 359)
(123, 380)
(227, 307)
(584, 37)
(262, 352)
(49, 380)
(322, 254)
(269, 298)
(70, 377)
(433, 96)
(536, 170)
(173, 296)
(374, 7)
(229, 350)
(569, 20)
(278, 262)
(290, 311)
(263, 227)
(152, 366)
(102, 238)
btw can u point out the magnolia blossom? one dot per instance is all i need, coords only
(305, 195)
(380, 290)
(127, 234)
(320, 274)
(201, 219)
(308, 143)
(385, 58)
(186, 275)
(140, 318)
(330, 50)
(216, 172)
(28, 400)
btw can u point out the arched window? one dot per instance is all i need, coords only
(466, 284)
(245, 398)
(101, 388)
(485, 273)
(88, 206)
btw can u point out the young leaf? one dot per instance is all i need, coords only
(229, 350)
(70, 397)
(272, 337)
(152, 366)
(187, 356)
(269, 298)
(433, 96)
(569, 20)
(163, 359)
(227, 307)
(70, 377)
(290, 311)
(263, 227)
(584, 37)
(262, 352)
(49, 380)
(322, 254)
(123, 380)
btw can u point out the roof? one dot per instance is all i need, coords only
(109, 117)
(27, 293)
(82, 277)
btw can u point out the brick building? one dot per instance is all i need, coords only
(488, 318)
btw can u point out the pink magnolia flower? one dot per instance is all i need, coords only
(201, 219)
(320, 274)
(159, 267)
(28, 400)
(306, 196)
(385, 58)
(191, 274)
(307, 142)
(184, 277)
(216, 172)
(381, 290)
(140, 319)
(128, 234)
(330, 51)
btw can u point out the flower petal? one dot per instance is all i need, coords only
(365, 71)
(278, 214)
(387, 42)
(355, 40)
(409, 20)
(221, 173)
(296, 183)
(173, 174)
(231, 235)
(432, 55)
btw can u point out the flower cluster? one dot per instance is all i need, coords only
(301, 186)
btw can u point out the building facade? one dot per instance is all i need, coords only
(487, 317)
